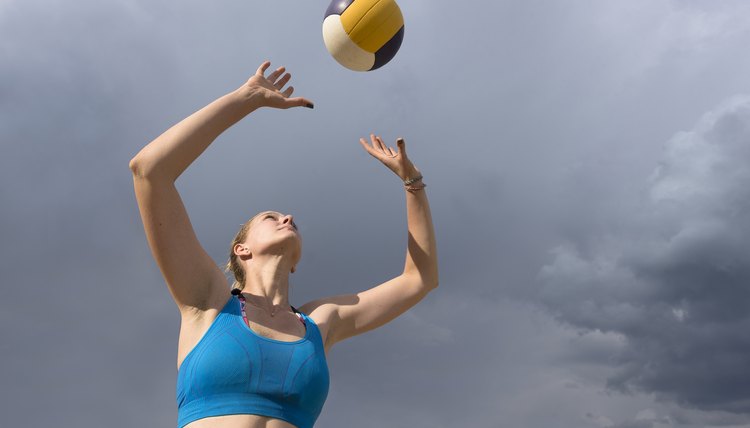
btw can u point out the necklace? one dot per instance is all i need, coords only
(272, 312)
(243, 301)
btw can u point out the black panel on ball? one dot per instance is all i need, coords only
(388, 51)
(337, 7)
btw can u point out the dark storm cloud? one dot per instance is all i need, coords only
(676, 286)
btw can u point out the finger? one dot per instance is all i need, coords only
(384, 147)
(263, 67)
(299, 102)
(367, 147)
(372, 149)
(374, 143)
(392, 152)
(288, 91)
(381, 146)
(275, 74)
(386, 150)
(401, 145)
(283, 81)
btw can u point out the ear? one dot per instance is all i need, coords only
(243, 251)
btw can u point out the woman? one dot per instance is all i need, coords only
(248, 359)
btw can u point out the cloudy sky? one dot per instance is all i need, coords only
(588, 165)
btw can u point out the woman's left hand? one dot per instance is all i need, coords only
(396, 160)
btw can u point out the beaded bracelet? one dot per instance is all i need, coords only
(412, 180)
(419, 186)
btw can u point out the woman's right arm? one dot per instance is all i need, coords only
(194, 280)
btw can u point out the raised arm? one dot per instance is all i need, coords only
(349, 315)
(193, 278)
(421, 267)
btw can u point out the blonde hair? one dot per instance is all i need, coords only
(233, 264)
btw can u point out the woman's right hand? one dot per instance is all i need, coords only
(268, 91)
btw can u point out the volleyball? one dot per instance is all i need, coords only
(363, 35)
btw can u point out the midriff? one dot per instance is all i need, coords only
(239, 421)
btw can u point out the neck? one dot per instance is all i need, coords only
(268, 279)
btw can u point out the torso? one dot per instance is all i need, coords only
(283, 327)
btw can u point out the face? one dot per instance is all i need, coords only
(272, 232)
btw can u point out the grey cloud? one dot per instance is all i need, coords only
(676, 286)
(635, 424)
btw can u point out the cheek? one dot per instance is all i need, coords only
(252, 238)
(259, 233)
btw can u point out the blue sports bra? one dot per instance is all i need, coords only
(232, 370)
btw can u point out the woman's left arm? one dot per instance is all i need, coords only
(421, 267)
(345, 316)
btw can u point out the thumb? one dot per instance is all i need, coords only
(299, 102)
(401, 144)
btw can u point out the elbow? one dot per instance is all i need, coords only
(135, 167)
(427, 282)
(432, 283)
(142, 168)
(431, 279)
(428, 285)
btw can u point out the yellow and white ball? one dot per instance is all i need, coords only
(363, 35)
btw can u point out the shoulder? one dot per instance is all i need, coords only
(318, 311)
(325, 309)
(323, 313)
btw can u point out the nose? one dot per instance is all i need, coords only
(288, 219)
